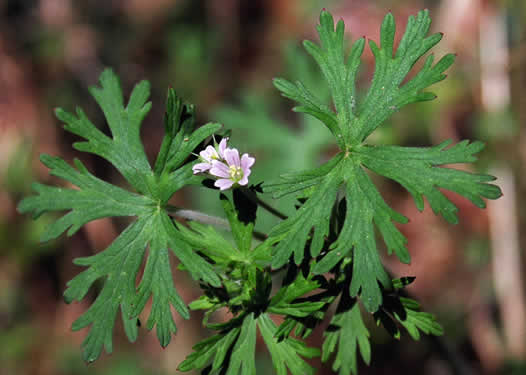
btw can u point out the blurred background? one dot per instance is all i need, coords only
(221, 55)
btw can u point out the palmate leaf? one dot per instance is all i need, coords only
(118, 265)
(417, 169)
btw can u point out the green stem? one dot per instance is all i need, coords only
(207, 219)
(254, 198)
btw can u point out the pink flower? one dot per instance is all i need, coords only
(208, 155)
(234, 171)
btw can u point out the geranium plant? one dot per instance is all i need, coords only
(324, 254)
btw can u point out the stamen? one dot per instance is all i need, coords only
(236, 173)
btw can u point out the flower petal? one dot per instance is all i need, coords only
(247, 161)
(222, 147)
(201, 167)
(223, 184)
(209, 153)
(244, 180)
(220, 169)
(232, 157)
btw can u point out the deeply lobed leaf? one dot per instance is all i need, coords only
(417, 169)
(118, 265)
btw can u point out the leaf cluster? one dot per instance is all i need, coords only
(324, 254)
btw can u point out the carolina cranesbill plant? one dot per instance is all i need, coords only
(325, 253)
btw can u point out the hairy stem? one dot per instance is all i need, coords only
(207, 219)
(254, 198)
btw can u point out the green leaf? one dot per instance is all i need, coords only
(118, 265)
(242, 360)
(339, 73)
(215, 347)
(180, 139)
(415, 320)
(301, 181)
(283, 302)
(402, 282)
(417, 169)
(356, 120)
(406, 312)
(185, 142)
(310, 104)
(357, 238)
(175, 108)
(292, 234)
(95, 199)
(308, 310)
(233, 351)
(124, 150)
(207, 240)
(157, 278)
(346, 335)
(242, 232)
(286, 354)
(245, 284)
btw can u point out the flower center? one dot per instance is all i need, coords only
(236, 173)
